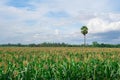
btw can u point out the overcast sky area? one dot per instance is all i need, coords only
(38, 21)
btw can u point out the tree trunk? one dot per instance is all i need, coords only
(84, 40)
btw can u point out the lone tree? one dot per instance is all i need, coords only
(84, 31)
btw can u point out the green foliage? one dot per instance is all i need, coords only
(84, 30)
(59, 64)
(94, 44)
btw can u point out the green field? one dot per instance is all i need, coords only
(50, 63)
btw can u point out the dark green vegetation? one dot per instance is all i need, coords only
(59, 63)
(94, 44)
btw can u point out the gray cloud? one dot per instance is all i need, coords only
(108, 37)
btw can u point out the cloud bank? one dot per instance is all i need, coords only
(38, 21)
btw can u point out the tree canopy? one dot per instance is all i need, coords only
(84, 30)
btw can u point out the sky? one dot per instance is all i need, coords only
(38, 21)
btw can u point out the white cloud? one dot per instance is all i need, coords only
(14, 20)
(97, 25)
(57, 32)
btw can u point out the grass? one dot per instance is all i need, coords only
(59, 63)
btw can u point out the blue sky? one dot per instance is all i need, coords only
(37, 21)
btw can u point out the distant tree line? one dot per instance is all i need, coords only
(96, 44)
(45, 44)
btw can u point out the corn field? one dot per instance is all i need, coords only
(59, 63)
